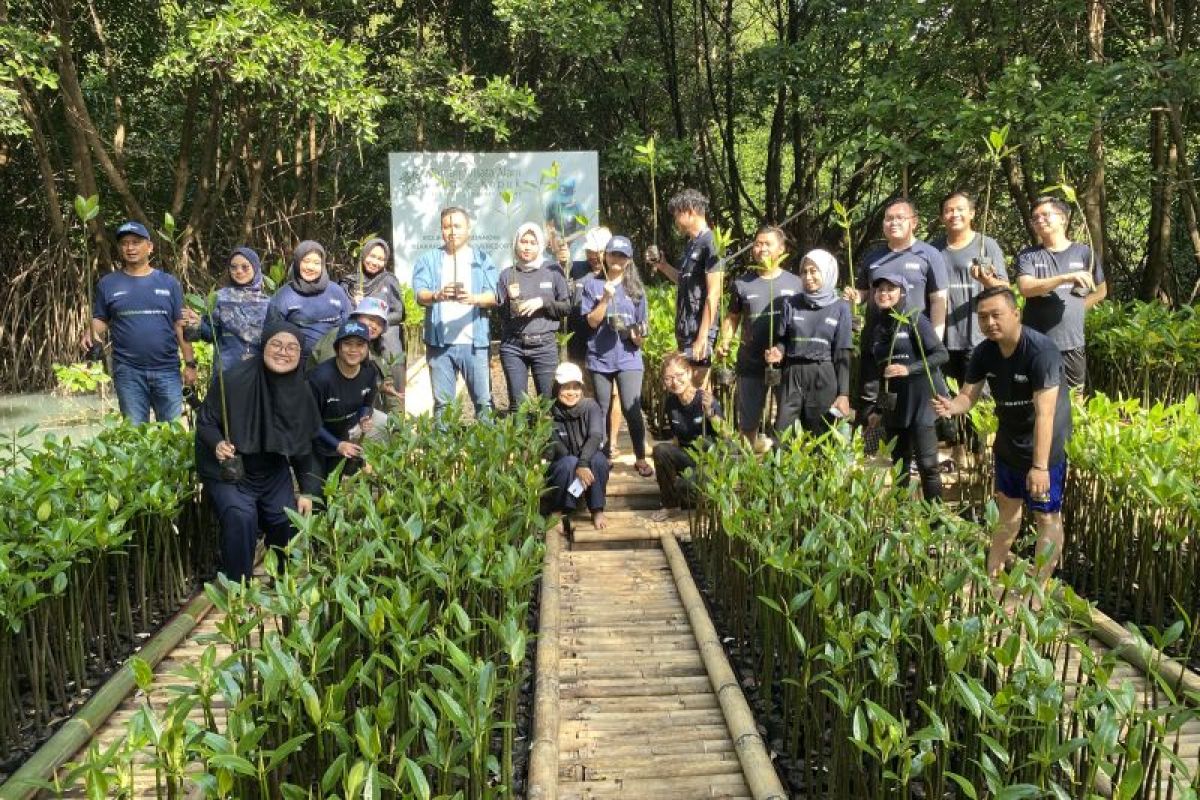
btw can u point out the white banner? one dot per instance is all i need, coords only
(560, 191)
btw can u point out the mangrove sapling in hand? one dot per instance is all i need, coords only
(995, 142)
(233, 469)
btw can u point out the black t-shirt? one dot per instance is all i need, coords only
(699, 260)
(759, 301)
(815, 334)
(341, 399)
(1035, 364)
(688, 423)
(545, 282)
(923, 268)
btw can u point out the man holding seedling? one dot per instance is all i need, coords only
(142, 309)
(1024, 371)
(697, 280)
(924, 272)
(1060, 280)
(457, 282)
(755, 303)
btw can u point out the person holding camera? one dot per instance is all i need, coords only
(615, 307)
(457, 283)
(907, 355)
(533, 299)
(1024, 372)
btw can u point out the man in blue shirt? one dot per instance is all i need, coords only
(457, 282)
(141, 309)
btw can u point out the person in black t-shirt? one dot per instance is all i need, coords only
(1024, 371)
(577, 468)
(344, 388)
(691, 412)
(698, 281)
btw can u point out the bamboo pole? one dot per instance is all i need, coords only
(759, 771)
(79, 730)
(543, 755)
(1138, 652)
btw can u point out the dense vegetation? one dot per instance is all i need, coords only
(268, 120)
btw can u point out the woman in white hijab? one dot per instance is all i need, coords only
(814, 335)
(532, 299)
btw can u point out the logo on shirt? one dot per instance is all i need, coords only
(1020, 379)
(912, 265)
(902, 335)
(786, 292)
(1076, 265)
(163, 292)
(119, 294)
(336, 302)
(751, 297)
(831, 321)
(545, 285)
(698, 420)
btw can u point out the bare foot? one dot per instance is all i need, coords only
(599, 521)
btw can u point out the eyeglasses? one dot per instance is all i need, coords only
(286, 349)
(240, 267)
(674, 378)
(886, 220)
(1047, 216)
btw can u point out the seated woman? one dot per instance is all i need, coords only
(814, 335)
(236, 322)
(907, 356)
(691, 412)
(615, 307)
(247, 454)
(344, 388)
(577, 467)
(532, 297)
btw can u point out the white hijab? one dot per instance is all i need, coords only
(827, 264)
(540, 235)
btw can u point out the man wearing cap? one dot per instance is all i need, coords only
(457, 282)
(141, 309)
(1024, 371)
(345, 389)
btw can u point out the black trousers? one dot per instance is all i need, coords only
(919, 443)
(257, 502)
(561, 473)
(671, 467)
(518, 361)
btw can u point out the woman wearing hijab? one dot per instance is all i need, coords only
(533, 299)
(814, 334)
(251, 444)
(236, 322)
(308, 300)
(577, 467)
(691, 412)
(614, 304)
(907, 355)
(375, 279)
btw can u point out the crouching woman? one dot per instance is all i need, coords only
(691, 412)
(578, 468)
(249, 446)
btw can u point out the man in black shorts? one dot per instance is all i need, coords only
(698, 280)
(1023, 370)
(1061, 280)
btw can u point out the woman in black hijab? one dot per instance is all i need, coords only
(249, 445)
(374, 278)
(307, 299)
(577, 466)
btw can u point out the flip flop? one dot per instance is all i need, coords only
(644, 469)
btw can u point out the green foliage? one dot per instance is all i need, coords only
(491, 107)
(26, 57)
(81, 378)
(903, 672)
(98, 541)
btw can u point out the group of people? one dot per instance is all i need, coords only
(305, 373)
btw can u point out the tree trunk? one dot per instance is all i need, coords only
(41, 148)
(257, 168)
(314, 174)
(1158, 248)
(183, 170)
(1093, 197)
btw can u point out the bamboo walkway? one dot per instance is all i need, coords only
(635, 698)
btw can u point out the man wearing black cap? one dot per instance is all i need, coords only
(142, 310)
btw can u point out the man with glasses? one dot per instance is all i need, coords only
(142, 310)
(925, 278)
(1060, 280)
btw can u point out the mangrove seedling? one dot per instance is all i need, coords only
(648, 156)
(997, 151)
(232, 468)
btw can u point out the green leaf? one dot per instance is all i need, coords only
(417, 782)
(233, 763)
(143, 675)
(1131, 781)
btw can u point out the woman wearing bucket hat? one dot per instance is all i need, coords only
(236, 322)
(616, 309)
(373, 279)
(532, 298)
(345, 388)
(814, 335)
(308, 300)
(577, 468)
(907, 355)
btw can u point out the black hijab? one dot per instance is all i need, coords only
(371, 283)
(301, 286)
(268, 412)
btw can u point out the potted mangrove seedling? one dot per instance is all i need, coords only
(997, 150)
(232, 469)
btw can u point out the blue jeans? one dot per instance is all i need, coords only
(444, 365)
(139, 390)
